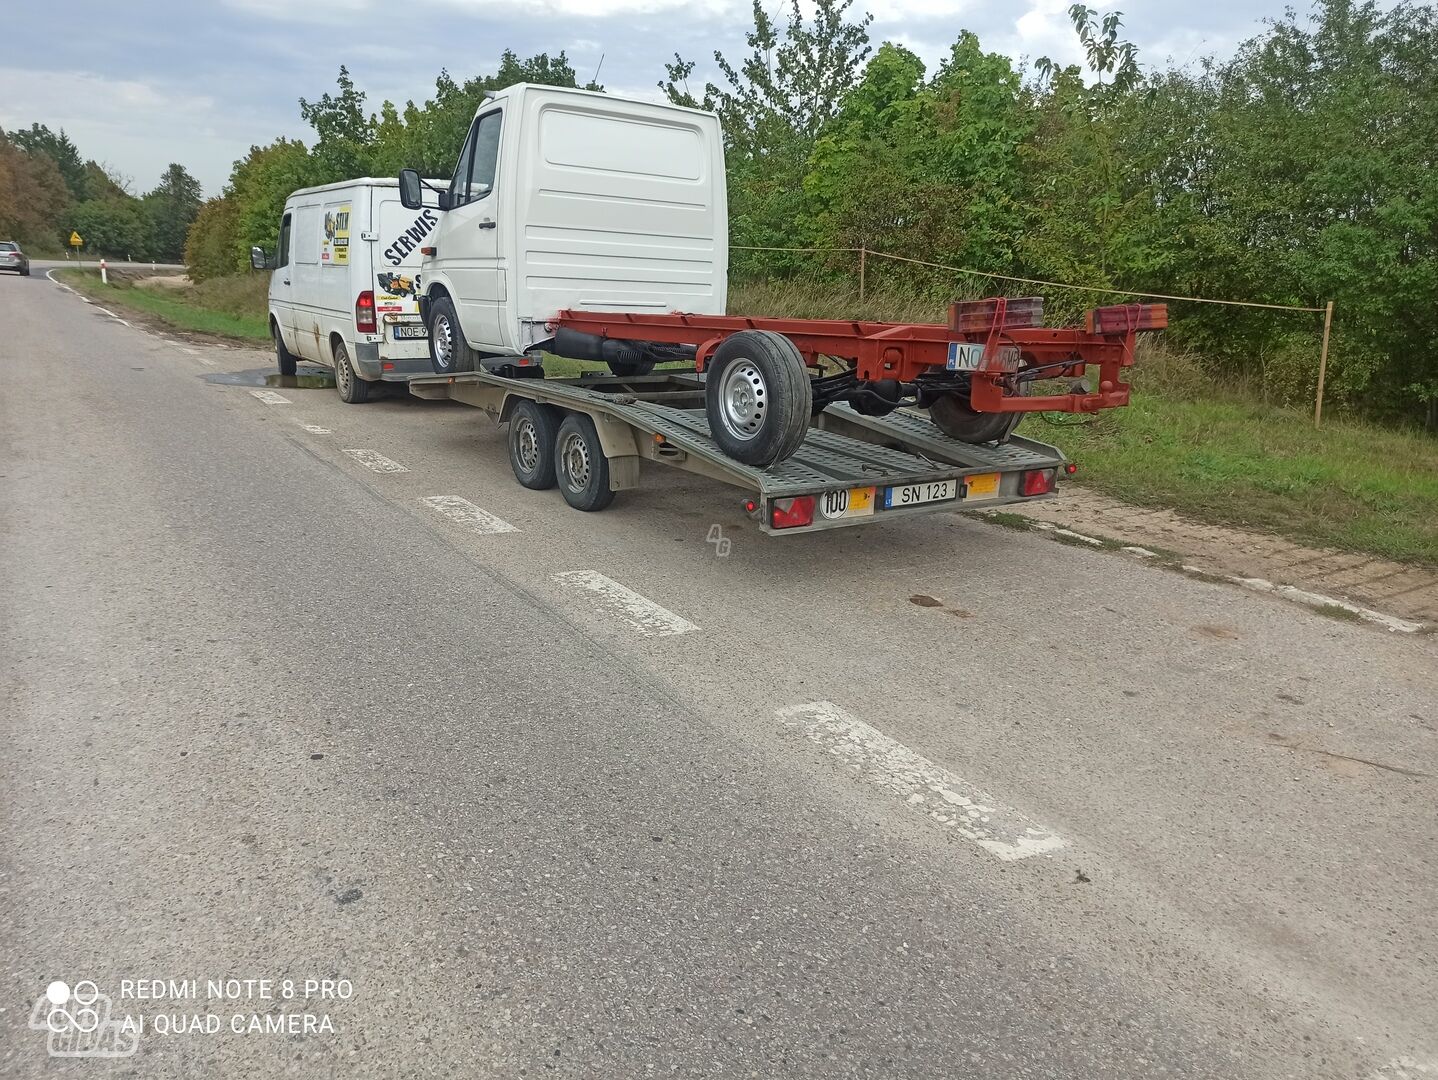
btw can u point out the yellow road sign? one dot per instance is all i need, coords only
(75, 240)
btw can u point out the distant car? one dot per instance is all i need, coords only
(12, 258)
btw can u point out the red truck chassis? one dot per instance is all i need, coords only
(1007, 329)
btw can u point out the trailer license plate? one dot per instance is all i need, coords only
(411, 330)
(982, 486)
(855, 502)
(914, 494)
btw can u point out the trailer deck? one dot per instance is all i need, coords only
(851, 469)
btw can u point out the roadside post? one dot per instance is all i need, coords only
(1322, 366)
(104, 278)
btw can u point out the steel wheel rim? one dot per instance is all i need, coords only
(443, 341)
(574, 455)
(743, 399)
(527, 439)
(342, 370)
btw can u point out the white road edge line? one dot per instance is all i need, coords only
(642, 613)
(374, 461)
(315, 429)
(466, 513)
(269, 397)
(929, 788)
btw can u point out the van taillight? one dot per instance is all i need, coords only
(364, 313)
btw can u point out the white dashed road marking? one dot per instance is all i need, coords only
(931, 789)
(315, 429)
(642, 613)
(376, 462)
(466, 513)
(206, 361)
(269, 397)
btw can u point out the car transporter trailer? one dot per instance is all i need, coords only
(588, 436)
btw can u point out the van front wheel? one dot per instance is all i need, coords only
(449, 353)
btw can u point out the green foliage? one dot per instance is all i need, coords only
(212, 243)
(114, 227)
(171, 207)
(41, 141)
(33, 194)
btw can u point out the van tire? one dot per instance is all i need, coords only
(283, 357)
(353, 390)
(580, 464)
(449, 353)
(758, 397)
(533, 431)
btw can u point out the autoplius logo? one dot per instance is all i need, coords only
(410, 238)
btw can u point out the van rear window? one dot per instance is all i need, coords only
(581, 140)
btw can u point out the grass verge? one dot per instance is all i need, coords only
(232, 308)
(1348, 485)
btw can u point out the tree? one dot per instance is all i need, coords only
(773, 106)
(343, 132)
(33, 196)
(114, 227)
(39, 139)
(171, 207)
(212, 245)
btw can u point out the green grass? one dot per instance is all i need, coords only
(1348, 485)
(231, 308)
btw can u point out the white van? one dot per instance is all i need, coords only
(567, 199)
(344, 286)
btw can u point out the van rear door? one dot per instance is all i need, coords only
(396, 275)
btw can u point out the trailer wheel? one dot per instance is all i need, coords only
(353, 390)
(953, 416)
(758, 397)
(581, 465)
(449, 353)
(533, 432)
(283, 357)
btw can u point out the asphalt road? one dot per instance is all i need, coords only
(564, 794)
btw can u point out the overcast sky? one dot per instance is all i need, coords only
(142, 83)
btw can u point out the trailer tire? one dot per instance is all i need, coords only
(283, 357)
(533, 433)
(449, 353)
(758, 397)
(580, 464)
(352, 389)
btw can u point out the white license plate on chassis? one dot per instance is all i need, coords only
(916, 494)
(411, 331)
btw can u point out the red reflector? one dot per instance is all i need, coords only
(792, 513)
(750, 506)
(364, 312)
(1070, 468)
(427, 250)
(386, 366)
(1038, 482)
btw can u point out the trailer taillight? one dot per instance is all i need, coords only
(1121, 318)
(364, 312)
(792, 513)
(1037, 482)
(982, 317)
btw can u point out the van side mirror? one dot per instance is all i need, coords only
(411, 190)
(258, 259)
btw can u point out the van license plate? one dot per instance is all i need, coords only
(411, 330)
(914, 494)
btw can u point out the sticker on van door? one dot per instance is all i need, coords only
(336, 248)
(407, 242)
(396, 285)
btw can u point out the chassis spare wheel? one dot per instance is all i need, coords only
(955, 417)
(758, 397)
